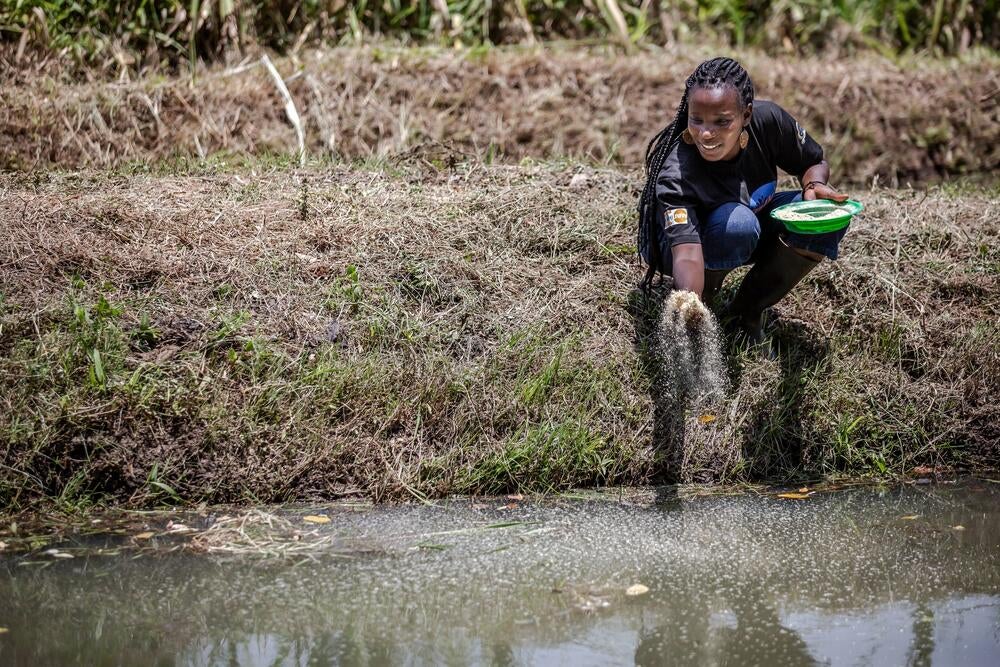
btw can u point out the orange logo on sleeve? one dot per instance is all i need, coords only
(677, 216)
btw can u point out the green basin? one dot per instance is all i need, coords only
(817, 216)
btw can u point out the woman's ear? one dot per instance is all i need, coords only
(747, 114)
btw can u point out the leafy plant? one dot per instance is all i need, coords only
(179, 32)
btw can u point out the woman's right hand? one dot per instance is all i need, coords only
(688, 267)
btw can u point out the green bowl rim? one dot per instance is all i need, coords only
(819, 226)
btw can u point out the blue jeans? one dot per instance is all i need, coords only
(733, 235)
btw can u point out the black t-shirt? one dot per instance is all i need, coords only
(689, 187)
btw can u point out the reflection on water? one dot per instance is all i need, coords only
(841, 578)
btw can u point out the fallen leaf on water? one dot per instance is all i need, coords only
(707, 418)
(314, 518)
(910, 517)
(958, 527)
(794, 496)
(804, 489)
(143, 536)
(636, 589)
(3, 630)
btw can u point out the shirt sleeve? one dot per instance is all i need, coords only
(794, 149)
(676, 208)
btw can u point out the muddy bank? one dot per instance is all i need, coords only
(916, 120)
(273, 335)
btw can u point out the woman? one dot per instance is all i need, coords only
(711, 186)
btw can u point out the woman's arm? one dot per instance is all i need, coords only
(688, 267)
(815, 186)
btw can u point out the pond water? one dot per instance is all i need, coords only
(860, 576)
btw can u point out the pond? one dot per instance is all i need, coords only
(859, 575)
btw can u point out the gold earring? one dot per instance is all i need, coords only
(744, 139)
(686, 136)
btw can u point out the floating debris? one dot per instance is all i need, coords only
(56, 553)
(316, 518)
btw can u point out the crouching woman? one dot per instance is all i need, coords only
(711, 181)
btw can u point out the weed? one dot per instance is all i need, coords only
(158, 488)
(534, 391)
(544, 457)
(174, 33)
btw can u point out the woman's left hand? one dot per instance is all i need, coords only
(818, 190)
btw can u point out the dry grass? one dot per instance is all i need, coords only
(269, 335)
(910, 120)
(262, 335)
(260, 533)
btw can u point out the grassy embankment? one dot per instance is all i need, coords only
(426, 322)
(282, 335)
(915, 120)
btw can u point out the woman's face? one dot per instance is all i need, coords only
(715, 121)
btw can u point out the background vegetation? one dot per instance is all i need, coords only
(916, 121)
(171, 32)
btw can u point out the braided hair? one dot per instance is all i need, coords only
(714, 73)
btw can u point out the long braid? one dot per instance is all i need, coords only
(709, 74)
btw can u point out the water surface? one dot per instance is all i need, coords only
(853, 577)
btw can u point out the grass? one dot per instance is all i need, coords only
(125, 37)
(166, 339)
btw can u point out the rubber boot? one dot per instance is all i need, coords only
(764, 285)
(713, 282)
